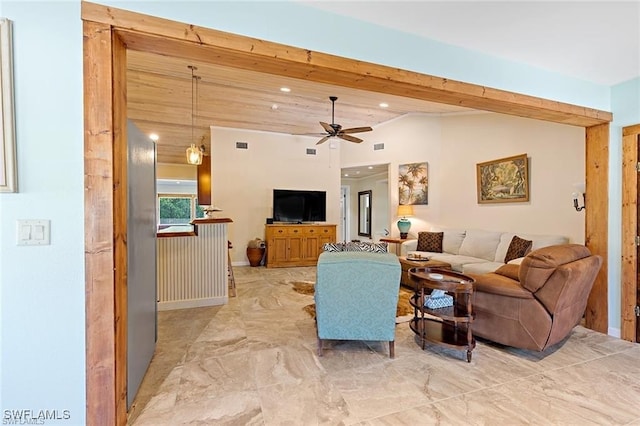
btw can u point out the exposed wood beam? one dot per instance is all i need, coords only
(176, 39)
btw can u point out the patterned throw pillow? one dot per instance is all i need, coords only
(366, 246)
(332, 246)
(430, 241)
(518, 248)
(378, 247)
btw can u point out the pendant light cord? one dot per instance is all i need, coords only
(192, 100)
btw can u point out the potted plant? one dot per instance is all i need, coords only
(255, 251)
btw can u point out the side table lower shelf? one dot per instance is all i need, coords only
(450, 325)
(443, 332)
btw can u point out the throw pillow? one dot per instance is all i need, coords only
(430, 241)
(378, 247)
(332, 246)
(366, 246)
(518, 248)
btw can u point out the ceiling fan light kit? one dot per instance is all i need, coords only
(335, 130)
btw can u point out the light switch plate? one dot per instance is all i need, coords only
(33, 232)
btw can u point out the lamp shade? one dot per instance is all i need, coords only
(405, 210)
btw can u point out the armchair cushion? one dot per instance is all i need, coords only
(501, 285)
(510, 271)
(539, 265)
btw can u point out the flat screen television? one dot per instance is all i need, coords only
(299, 206)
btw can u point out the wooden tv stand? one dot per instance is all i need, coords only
(296, 244)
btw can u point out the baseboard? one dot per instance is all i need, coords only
(193, 303)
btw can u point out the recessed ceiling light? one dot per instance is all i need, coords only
(154, 137)
(274, 107)
(346, 175)
(384, 105)
(285, 89)
(370, 167)
(357, 172)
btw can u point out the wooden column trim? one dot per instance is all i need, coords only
(120, 219)
(98, 206)
(629, 273)
(596, 221)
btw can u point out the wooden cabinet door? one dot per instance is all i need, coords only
(277, 249)
(312, 247)
(296, 248)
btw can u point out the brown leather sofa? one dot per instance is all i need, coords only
(537, 304)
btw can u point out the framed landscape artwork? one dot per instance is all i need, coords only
(505, 180)
(413, 184)
(7, 145)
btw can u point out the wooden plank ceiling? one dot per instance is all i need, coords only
(159, 100)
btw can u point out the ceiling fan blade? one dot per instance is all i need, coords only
(327, 127)
(310, 134)
(356, 130)
(349, 138)
(323, 140)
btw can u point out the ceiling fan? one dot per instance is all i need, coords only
(336, 130)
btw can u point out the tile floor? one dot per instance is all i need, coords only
(253, 362)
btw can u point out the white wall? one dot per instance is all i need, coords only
(243, 180)
(453, 145)
(42, 288)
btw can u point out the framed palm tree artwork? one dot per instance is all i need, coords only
(413, 184)
(505, 180)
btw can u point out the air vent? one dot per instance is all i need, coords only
(242, 145)
(378, 146)
(311, 151)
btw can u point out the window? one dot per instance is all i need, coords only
(178, 209)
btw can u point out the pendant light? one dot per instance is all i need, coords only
(194, 154)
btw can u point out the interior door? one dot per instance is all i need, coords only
(141, 242)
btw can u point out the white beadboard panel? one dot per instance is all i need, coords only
(192, 271)
(195, 303)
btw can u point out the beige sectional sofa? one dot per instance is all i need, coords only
(477, 251)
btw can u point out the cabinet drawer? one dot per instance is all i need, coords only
(294, 231)
(322, 231)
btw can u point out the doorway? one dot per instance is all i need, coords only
(107, 35)
(373, 178)
(630, 289)
(345, 212)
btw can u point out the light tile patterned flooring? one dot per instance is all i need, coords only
(253, 362)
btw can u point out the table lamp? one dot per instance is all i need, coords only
(403, 223)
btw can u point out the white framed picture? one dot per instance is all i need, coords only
(8, 172)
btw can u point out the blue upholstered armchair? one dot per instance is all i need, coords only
(356, 296)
